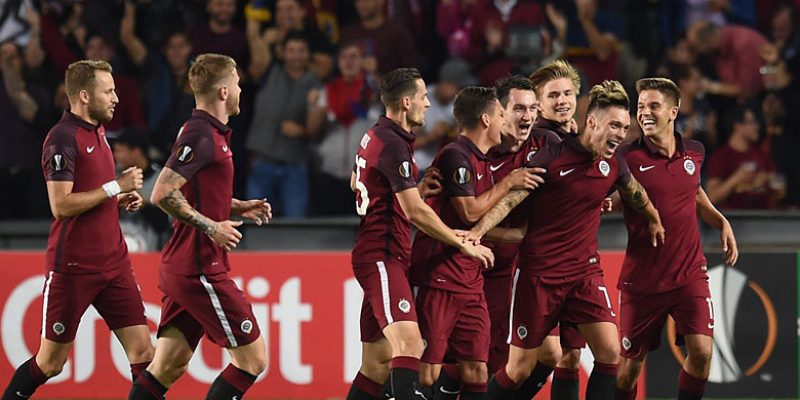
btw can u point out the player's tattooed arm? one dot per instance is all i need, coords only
(167, 194)
(498, 212)
(634, 194)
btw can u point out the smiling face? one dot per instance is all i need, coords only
(521, 111)
(606, 129)
(558, 100)
(654, 112)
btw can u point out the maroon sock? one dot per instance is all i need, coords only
(147, 387)
(405, 377)
(621, 394)
(231, 382)
(500, 386)
(690, 387)
(136, 369)
(25, 380)
(602, 382)
(364, 388)
(534, 383)
(565, 384)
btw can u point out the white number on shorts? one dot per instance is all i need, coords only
(361, 209)
(710, 308)
(608, 299)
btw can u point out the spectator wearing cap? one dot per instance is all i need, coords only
(440, 125)
(340, 113)
(144, 230)
(740, 175)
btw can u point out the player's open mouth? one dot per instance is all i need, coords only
(612, 145)
(648, 123)
(563, 109)
(524, 127)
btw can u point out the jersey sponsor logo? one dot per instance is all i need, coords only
(185, 154)
(58, 328)
(689, 166)
(642, 168)
(89, 149)
(58, 163)
(565, 173)
(626, 343)
(462, 176)
(404, 306)
(246, 326)
(405, 169)
(522, 331)
(494, 168)
(730, 288)
(604, 167)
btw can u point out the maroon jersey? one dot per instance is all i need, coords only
(384, 165)
(563, 213)
(502, 163)
(202, 155)
(78, 152)
(544, 126)
(671, 184)
(465, 173)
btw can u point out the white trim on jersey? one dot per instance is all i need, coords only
(511, 311)
(45, 301)
(220, 312)
(387, 303)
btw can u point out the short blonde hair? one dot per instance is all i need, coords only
(555, 70)
(207, 71)
(80, 75)
(608, 94)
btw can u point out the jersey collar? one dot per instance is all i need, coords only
(680, 148)
(543, 123)
(466, 142)
(80, 122)
(388, 123)
(217, 124)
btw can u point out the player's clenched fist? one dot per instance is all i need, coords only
(131, 179)
(225, 234)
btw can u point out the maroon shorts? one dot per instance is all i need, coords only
(497, 290)
(538, 305)
(569, 336)
(114, 294)
(453, 323)
(210, 304)
(387, 296)
(642, 316)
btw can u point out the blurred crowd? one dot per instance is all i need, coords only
(311, 70)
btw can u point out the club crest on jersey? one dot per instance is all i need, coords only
(530, 155)
(405, 169)
(522, 331)
(604, 167)
(59, 328)
(404, 306)
(58, 162)
(626, 343)
(462, 176)
(689, 166)
(184, 154)
(246, 326)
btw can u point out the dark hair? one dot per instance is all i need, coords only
(397, 84)
(663, 85)
(472, 102)
(80, 75)
(736, 116)
(504, 85)
(608, 94)
(296, 35)
(679, 72)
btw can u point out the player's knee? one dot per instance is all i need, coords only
(549, 355)
(699, 357)
(169, 374)
(141, 354)
(608, 354)
(376, 370)
(520, 369)
(52, 368)
(411, 347)
(571, 359)
(474, 372)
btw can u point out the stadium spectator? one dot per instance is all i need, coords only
(379, 38)
(164, 75)
(147, 229)
(440, 124)
(594, 36)
(740, 175)
(290, 15)
(219, 34)
(25, 111)
(733, 51)
(696, 118)
(339, 114)
(721, 12)
(279, 139)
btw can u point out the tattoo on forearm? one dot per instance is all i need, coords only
(635, 195)
(175, 204)
(501, 210)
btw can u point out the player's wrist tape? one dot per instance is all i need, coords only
(112, 189)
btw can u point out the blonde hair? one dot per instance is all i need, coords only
(555, 70)
(208, 70)
(80, 75)
(665, 86)
(608, 94)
